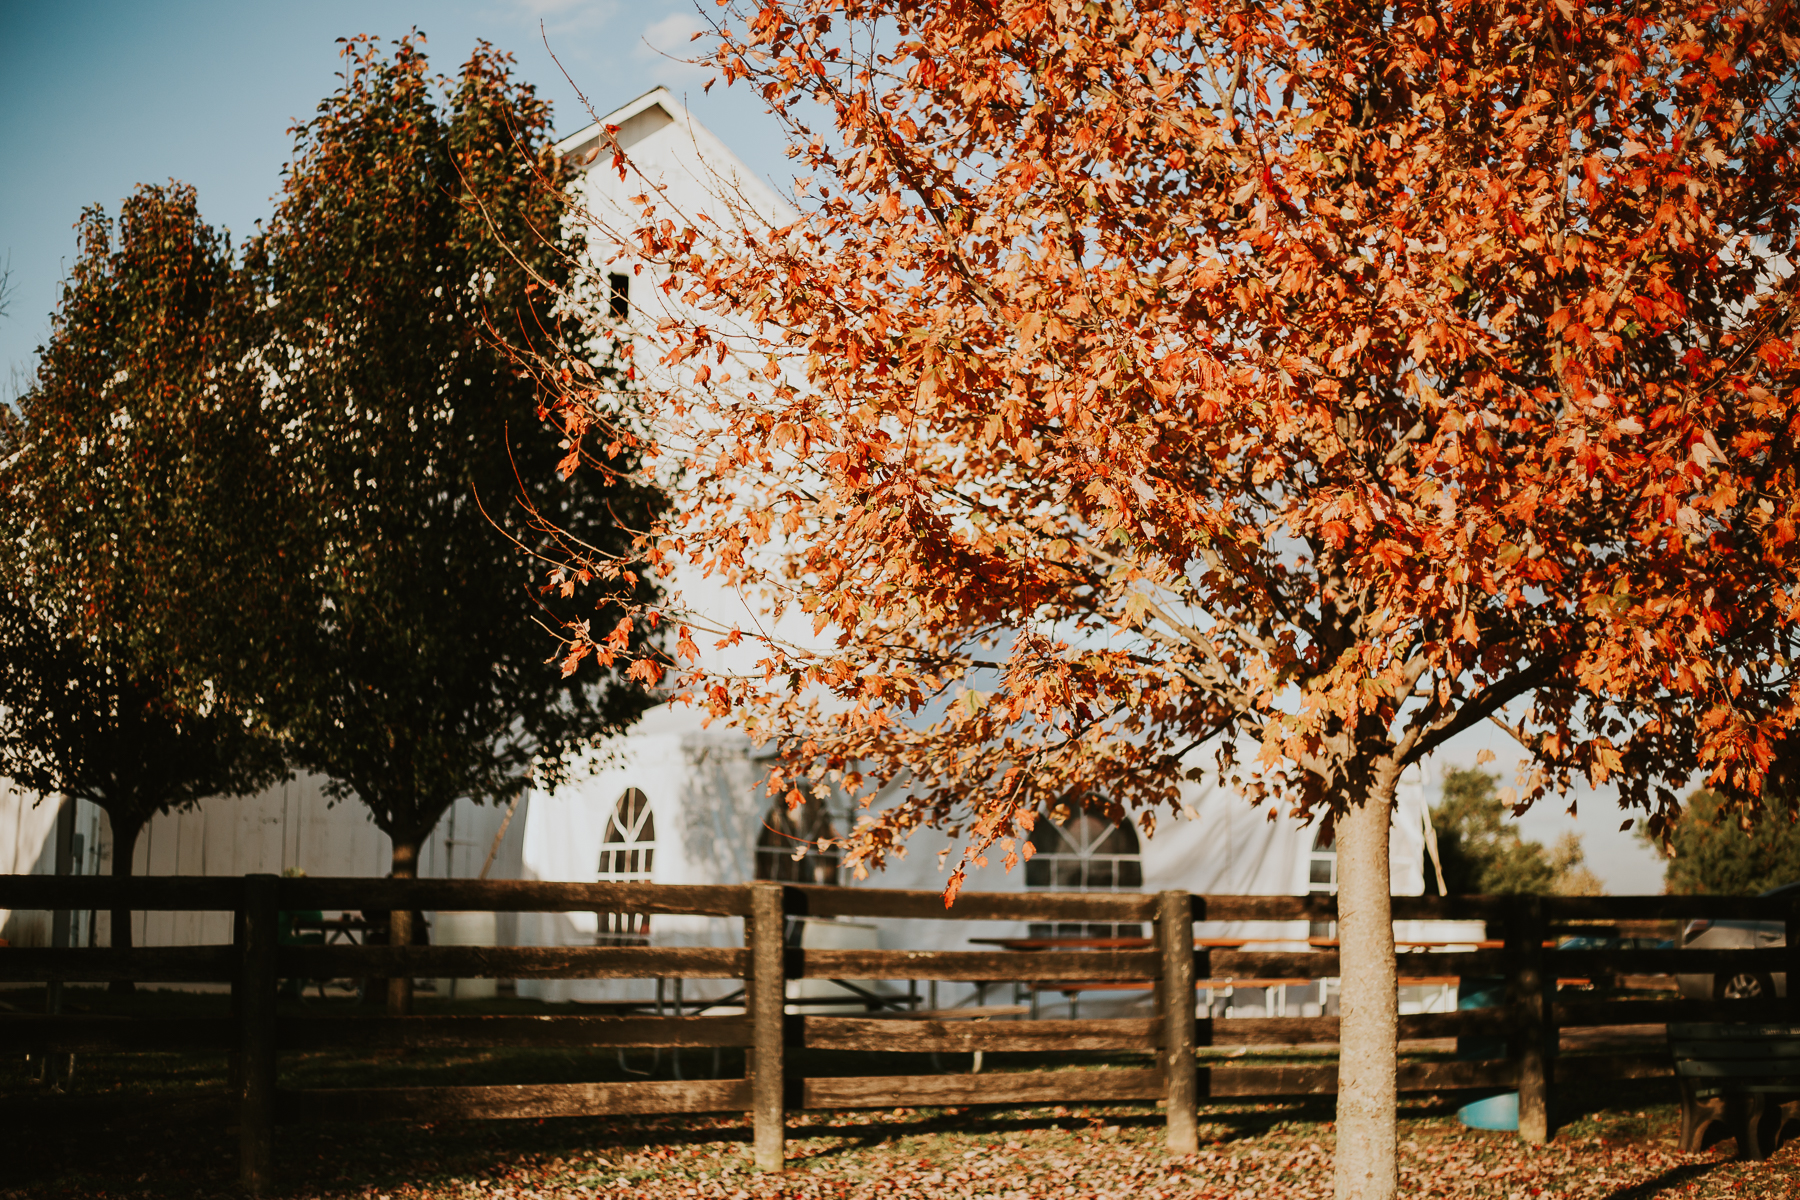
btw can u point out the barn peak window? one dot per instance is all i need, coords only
(627, 854)
(1084, 851)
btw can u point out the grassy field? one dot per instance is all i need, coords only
(156, 1125)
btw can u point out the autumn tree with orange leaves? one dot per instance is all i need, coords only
(1298, 385)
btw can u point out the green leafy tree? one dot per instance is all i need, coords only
(419, 222)
(1713, 852)
(1482, 853)
(133, 445)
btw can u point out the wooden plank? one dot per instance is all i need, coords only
(1571, 963)
(1652, 908)
(374, 1033)
(1024, 1087)
(1289, 1079)
(166, 893)
(1323, 964)
(1450, 908)
(256, 1029)
(1303, 1031)
(513, 895)
(1175, 944)
(766, 994)
(514, 962)
(1264, 908)
(1580, 1013)
(145, 964)
(861, 1033)
(1736, 1069)
(970, 906)
(32, 1034)
(993, 966)
(1756, 1048)
(515, 1101)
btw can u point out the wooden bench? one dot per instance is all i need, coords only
(1751, 1075)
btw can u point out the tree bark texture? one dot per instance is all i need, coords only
(400, 927)
(123, 851)
(1368, 1002)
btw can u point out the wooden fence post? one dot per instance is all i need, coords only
(1793, 960)
(1530, 1022)
(1175, 933)
(256, 1034)
(766, 991)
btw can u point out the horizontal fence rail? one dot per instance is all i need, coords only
(1518, 949)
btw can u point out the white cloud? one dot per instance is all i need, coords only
(666, 45)
(561, 16)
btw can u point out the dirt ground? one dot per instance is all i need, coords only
(158, 1127)
(92, 1146)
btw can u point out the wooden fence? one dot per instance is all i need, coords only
(255, 962)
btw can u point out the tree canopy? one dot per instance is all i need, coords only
(420, 219)
(1483, 854)
(135, 445)
(1710, 853)
(1293, 384)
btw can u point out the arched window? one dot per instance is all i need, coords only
(785, 833)
(626, 854)
(1084, 853)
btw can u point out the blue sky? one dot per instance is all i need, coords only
(98, 97)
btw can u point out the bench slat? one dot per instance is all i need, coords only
(1700, 1031)
(1728, 1050)
(1737, 1070)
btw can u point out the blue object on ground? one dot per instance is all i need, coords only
(1495, 1112)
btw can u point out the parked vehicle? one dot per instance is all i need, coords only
(1736, 935)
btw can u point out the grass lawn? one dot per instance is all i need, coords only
(155, 1125)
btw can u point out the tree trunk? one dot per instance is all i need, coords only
(1368, 1004)
(124, 847)
(406, 866)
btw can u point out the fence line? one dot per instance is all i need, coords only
(256, 1034)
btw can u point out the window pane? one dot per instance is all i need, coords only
(1068, 874)
(1085, 829)
(1321, 871)
(1100, 874)
(1131, 874)
(1037, 874)
(1119, 839)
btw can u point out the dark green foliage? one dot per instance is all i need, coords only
(420, 222)
(1483, 854)
(132, 452)
(1714, 857)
